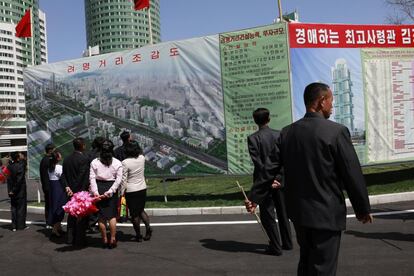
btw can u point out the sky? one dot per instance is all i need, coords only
(183, 19)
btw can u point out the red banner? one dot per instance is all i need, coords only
(350, 36)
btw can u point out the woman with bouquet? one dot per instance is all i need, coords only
(135, 188)
(57, 195)
(105, 178)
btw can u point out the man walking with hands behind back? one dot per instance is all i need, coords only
(319, 161)
(260, 145)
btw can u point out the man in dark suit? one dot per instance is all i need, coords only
(16, 188)
(75, 178)
(319, 161)
(260, 145)
(44, 177)
(119, 152)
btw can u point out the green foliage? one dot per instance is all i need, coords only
(148, 102)
(219, 150)
(397, 187)
(222, 190)
(208, 191)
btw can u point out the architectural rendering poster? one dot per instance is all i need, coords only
(372, 86)
(168, 95)
(255, 73)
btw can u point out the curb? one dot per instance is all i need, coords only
(238, 210)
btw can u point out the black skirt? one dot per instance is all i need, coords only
(107, 207)
(57, 198)
(136, 202)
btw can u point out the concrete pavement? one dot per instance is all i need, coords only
(384, 248)
(32, 196)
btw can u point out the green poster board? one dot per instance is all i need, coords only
(255, 73)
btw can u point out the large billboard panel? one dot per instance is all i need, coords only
(189, 103)
(255, 73)
(370, 71)
(168, 95)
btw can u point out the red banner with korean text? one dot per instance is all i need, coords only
(350, 36)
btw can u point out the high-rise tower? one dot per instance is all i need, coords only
(16, 53)
(114, 25)
(342, 92)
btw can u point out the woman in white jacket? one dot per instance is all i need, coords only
(135, 189)
(105, 177)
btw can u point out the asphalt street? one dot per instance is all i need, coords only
(206, 245)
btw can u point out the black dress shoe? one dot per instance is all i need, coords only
(138, 238)
(272, 251)
(148, 234)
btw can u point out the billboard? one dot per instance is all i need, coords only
(370, 71)
(168, 95)
(255, 73)
(189, 103)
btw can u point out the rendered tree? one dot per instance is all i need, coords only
(403, 11)
(6, 112)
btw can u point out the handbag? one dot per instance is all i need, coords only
(122, 210)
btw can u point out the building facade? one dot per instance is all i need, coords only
(15, 54)
(342, 92)
(114, 25)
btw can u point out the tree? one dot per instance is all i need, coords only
(403, 11)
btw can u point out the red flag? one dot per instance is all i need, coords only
(23, 28)
(141, 4)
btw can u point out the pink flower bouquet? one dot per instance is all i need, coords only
(81, 204)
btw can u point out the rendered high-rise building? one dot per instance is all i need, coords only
(342, 92)
(114, 25)
(15, 54)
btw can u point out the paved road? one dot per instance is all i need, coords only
(383, 248)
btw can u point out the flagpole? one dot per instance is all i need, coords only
(150, 25)
(32, 38)
(279, 2)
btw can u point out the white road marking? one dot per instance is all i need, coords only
(214, 222)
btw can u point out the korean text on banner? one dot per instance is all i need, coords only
(255, 73)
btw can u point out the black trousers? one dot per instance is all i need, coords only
(282, 217)
(267, 216)
(47, 204)
(76, 230)
(319, 250)
(19, 209)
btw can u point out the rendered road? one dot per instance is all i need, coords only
(234, 247)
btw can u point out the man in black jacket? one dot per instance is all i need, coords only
(260, 145)
(319, 161)
(16, 188)
(75, 178)
(119, 152)
(44, 176)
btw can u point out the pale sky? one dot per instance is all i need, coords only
(182, 19)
